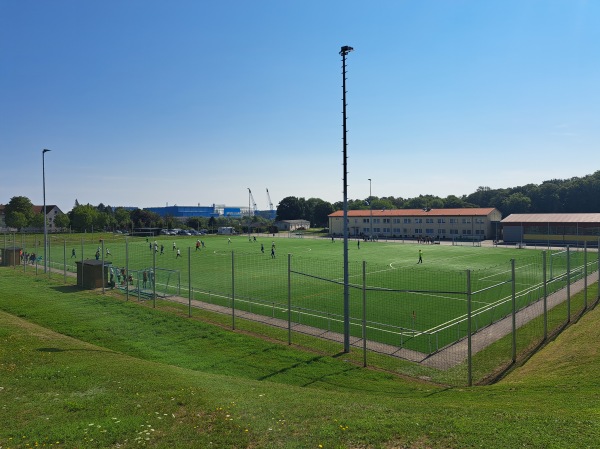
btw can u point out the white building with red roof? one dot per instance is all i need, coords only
(445, 224)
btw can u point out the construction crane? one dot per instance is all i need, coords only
(272, 211)
(270, 202)
(251, 209)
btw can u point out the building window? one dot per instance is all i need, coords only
(429, 220)
(453, 220)
(453, 231)
(418, 231)
(466, 232)
(407, 221)
(441, 220)
(441, 231)
(418, 220)
(429, 231)
(466, 220)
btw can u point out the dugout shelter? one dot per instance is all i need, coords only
(10, 256)
(89, 273)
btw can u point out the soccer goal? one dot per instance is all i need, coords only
(470, 242)
(558, 263)
(166, 282)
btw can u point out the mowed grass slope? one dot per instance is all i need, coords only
(80, 369)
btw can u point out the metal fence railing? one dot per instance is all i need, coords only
(459, 326)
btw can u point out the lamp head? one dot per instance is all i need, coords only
(346, 49)
(45, 151)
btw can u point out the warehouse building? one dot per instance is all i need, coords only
(564, 229)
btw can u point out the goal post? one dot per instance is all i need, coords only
(475, 241)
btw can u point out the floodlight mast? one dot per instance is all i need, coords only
(343, 52)
(44, 151)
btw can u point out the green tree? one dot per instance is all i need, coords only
(18, 220)
(517, 203)
(83, 217)
(144, 218)
(290, 208)
(19, 212)
(37, 221)
(122, 217)
(62, 221)
(453, 202)
(319, 211)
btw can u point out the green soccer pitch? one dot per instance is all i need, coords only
(419, 306)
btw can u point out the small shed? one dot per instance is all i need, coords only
(89, 273)
(11, 256)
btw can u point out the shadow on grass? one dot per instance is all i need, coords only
(72, 350)
(67, 289)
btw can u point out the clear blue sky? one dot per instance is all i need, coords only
(144, 103)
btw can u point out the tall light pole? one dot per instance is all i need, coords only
(343, 52)
(44, 151)
(371, 210)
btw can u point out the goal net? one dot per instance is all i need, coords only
(462, 242)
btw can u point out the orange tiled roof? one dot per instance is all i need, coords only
(459, 212)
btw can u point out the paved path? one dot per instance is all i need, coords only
(443, 359)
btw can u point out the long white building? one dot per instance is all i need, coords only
(445, 224)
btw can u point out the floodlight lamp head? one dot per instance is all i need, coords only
(345, 50)
(45, 151)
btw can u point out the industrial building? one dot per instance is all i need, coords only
(562, 228)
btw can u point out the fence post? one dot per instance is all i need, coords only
(126, 268)
(232, 291)
(545, 286)
(568, 285)
(48, 257)
(153, 277)
(364, 313)
(189, 282)
(514, 312)
(65, 259)
(82, 259)
(22, 253)
(585, 284)
(289, 299)
(103, 274)
(469, 340)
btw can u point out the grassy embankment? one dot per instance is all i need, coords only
(79, 369)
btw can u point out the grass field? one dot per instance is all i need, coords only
(421, 307)
(84, 370)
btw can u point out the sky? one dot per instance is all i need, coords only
(151, 103)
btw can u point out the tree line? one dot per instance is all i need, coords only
(574, 195)
(578, 194)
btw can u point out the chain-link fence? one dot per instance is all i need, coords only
(456, 326)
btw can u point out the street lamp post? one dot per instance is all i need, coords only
(371, 211)
(44, 151)
(343, 52)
